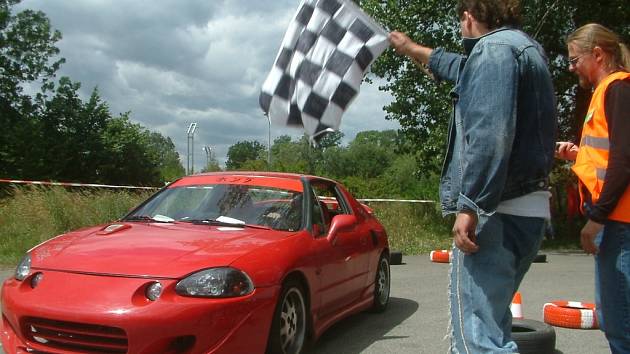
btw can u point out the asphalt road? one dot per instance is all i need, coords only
(417, 316)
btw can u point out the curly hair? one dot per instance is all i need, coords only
(492, 13)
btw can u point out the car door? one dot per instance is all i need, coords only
(341, 273)
(356, 243)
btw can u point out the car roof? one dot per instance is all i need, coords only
(278, 179)
(252, 174)
(287, 175)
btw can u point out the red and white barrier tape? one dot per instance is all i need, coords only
(397, 200)
(362, 200)
(67, 184)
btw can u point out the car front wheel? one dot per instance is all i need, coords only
(381, 285)
(288, 329)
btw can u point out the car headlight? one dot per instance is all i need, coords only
(24, 268)
(216, 282)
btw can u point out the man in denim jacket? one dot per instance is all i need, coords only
(495, 177)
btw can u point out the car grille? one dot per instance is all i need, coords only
(73, 336)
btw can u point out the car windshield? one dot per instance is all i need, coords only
(225, 205)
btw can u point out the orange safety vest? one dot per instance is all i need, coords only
(592, 159)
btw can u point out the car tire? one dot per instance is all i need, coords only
(395, 258)
(288, 333)
(570, 314)
(441, 256)
(382, 284)
(540, 258)
(533, 337)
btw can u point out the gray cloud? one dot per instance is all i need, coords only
(174, 62)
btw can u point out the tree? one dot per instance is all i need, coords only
(331, 139)
(286, 155)
(55, 135)
(17, 142)
(420, 106)
(243, 151)
(401, 180)
(423, 107)
(128, 159)
(212, 166)
(164, 156)
(27, 49)
(254, 165)
(371, 153)
(70, 142)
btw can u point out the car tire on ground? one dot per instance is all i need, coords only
(395, 258)
(540, 258)
(288, 328)
(533, 337)
(381, 285)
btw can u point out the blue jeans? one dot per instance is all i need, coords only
(612, 285)
(482, 284)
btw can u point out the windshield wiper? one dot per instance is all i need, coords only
(157, 218)
(216, 222)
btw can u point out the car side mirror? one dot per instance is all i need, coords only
(339, 223)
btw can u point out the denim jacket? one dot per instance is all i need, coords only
(501, 137)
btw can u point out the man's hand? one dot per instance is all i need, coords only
(403, 45)
(587, 236)
(401, 42)
(464, 232)
(566, 150)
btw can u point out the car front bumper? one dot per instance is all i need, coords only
(77, 313)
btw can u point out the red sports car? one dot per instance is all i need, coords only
(213, 263)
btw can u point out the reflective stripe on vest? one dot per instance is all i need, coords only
(592, 159)
(597, 143)
(601, 173)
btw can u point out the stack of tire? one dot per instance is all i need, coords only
(530, 336)
(444, 256)
(571, 314)
(440, 256)
(533, 337)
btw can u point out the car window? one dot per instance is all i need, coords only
(272, 207)
(327, 203)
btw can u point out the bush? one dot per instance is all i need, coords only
(31, 215)
(414, 228)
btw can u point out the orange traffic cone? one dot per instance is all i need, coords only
(516, 307)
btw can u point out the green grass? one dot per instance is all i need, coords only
(567, 234)
(29, 216)
(414, 228)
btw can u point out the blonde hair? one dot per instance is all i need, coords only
(594, 35)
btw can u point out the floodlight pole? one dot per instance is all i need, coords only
(269, 143)
(191, 147)
(208, 151)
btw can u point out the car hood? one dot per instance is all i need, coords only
(149, 249)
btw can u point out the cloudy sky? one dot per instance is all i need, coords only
(173, 62)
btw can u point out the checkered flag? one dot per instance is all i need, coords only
(325, 53)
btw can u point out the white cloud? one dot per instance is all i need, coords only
(173, 62)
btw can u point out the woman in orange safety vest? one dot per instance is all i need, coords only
(602, 165)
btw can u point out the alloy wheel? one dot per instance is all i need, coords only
(292, 322)
(382, 282)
